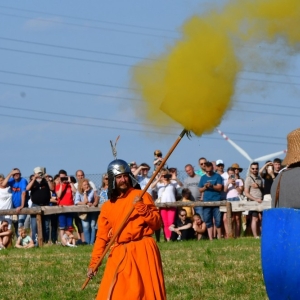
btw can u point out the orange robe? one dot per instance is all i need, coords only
(133, 269)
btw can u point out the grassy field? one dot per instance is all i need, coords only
(220, 269)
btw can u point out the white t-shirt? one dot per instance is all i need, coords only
(5, 198)
(167, 192)
(232, 192)
(6, 203)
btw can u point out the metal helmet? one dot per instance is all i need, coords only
(117, 167)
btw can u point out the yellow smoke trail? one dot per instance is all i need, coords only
(194, 81)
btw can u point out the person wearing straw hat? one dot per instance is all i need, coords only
(288, 180)
(280, 244)
(237, 170)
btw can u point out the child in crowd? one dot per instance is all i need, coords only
(5, 234)
(186, 196)
(68, 238)
(158, 159)
(199, 226)
(24, 240)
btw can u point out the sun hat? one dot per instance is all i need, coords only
(293, 148)
(237, 166)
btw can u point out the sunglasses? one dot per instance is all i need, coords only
(201, 164)
(106, 178)
(16, 174)
(254, 168)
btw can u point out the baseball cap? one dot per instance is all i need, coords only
(219, 162)
(39, 170)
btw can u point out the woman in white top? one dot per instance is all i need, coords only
(85, 196)
(166, 187)
(234, 188)
(5, 199)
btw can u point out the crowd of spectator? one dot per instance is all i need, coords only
(211, 182)
(45, 190)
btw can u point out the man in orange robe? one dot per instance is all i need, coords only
(133, 269)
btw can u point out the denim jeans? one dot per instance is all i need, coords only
(45, 226)
(19, 223)
(199, 210)
(89, 229)
(65, 220)
(233, 199)
(209, 213)
(54, 226)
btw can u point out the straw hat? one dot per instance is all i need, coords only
(293, 148)
(236, 166)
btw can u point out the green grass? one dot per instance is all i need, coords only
(219, 269)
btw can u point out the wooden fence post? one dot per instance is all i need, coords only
(229, 219)
(39, 229)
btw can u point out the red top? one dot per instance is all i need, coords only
(67, 196)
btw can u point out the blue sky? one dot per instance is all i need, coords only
(64, 87)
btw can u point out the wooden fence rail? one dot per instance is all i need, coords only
(225, 206)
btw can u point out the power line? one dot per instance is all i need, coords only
(75, 49)
(269, 104)
(266, 113)
(270, 73)
(85, 19)
(120, 121)
(127, 122)
(66, 91)
(65, 80)
(125, 129)
(269, 81)
(83, 124)
(130, 99)
(254, 135)
(123, 55)
(90, 26)
(134, 66)
(123, 88)
(86, 117)
(72, 58)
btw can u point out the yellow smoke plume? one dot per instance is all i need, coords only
(194, 81)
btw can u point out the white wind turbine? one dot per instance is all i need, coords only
(245, 154)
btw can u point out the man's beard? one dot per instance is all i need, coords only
(123, 187)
